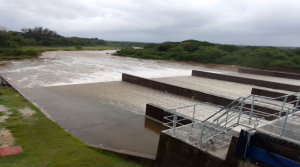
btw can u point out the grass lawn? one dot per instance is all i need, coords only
(44, 142)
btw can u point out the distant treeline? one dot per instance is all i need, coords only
(12, 42)
(44, 37)
(126, 44)
(205, 52)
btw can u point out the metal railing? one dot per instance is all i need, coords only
(207, 124)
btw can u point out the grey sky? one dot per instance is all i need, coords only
(251, 22)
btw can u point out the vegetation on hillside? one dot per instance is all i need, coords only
(27, 43)
(44, 142)
(12, 43)
(43, 37)
(260, 57)
(126, 44)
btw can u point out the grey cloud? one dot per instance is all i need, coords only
(268, 22)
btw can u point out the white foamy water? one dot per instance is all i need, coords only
(77, 67)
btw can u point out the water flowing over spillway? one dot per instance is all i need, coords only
(79, 67)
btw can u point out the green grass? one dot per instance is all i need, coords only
(42, 48)
(49, 48)
(16, 57)
(44, 142)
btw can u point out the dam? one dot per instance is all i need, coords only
(83, 92)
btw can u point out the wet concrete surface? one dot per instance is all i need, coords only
(94, 121)
(224, 88)
(266, 78)
(291, 128)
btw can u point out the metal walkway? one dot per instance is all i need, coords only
(206, 130)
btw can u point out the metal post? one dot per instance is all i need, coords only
(296, 106)
(194, 114)
(241, 108)
(193, 121)
(201, 136)
(227, 117)
(284, 123)
(174, 122)
(251, 112)
(282, 106)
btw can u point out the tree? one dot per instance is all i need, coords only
(78, 47)
(164, 47)
(229, 48)
(191, 48)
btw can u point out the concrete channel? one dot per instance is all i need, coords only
(106, 115)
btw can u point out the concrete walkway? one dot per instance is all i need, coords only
(94, 121)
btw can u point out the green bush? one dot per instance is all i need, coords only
(164, 47)
(229, 48)
(151, 46)
(31, 52)
(205, 52)
(78, 47)
(12, 52)
(190, 48)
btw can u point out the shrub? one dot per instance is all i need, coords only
(191, 48)
(151, 46)
(280, 56)
(18, 52)
(31, 52)
(164, 47)
(229, 48)
(78, 47)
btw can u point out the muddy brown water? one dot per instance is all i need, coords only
(82, 91)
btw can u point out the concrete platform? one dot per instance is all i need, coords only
(266, 78)
(108, 114)
(224, 88)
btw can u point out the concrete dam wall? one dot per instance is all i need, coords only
(269, 73)
(267, 84)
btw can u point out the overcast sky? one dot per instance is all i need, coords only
(244, 22)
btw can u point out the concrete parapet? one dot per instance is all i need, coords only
(190, 93)
(173, 152)
(269, 73)
(181, 91)
(284, 69)
(268, 84)
(267, 93)
(158, 113)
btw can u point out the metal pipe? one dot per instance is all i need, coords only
(194, 114)
(252, 108)
(174, 122)
(282, 107)
(284, 123)
(296, 106)
(201, 135)
(226, 118)
(240, 111)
